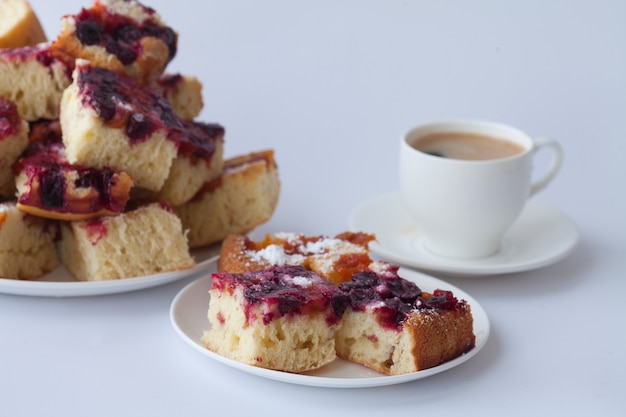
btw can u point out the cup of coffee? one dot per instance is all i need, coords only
(465, 183)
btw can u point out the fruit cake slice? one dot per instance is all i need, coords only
(334, 258)
(144, 241)
(242, 198)
(110, 120)
(282, 318)
(184, 92)
(119, 35)
(395, 328)
(48, 186)
(200, 159)
(34, 80)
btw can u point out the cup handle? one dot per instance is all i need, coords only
(557, 160)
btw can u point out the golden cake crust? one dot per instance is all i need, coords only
(449, 335)
(19, 25)
(427, 339)
(242, 198)
(393, 327)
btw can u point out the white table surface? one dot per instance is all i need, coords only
(331, 86)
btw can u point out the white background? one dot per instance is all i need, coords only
(331, 86)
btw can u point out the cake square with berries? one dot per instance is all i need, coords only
(110, 120)
(184, 92)
(282, 318)
(395, 328)
(124, 36)
(200, 159)
(34, 80)
(48, 186)
(145, 241)
(242, 198)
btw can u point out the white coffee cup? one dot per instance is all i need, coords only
(462, 208)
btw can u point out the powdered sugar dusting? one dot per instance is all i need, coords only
(384, 268)
(320, 246)
(302, 282)
(274, 255)
(375, 305)
(330, 252)
(321, 254)
(288, 236)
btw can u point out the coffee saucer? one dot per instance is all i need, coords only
(541, 236)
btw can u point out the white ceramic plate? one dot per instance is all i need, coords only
(188, 314)
(60, 283)
(540, 236)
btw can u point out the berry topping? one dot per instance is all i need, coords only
(120, 35)
(441, 300)
(168, 81)
(51, 188)
(39, 52)
(48, 174)
(121, 100)
(393, 297)
(286, 290)
(198, 139)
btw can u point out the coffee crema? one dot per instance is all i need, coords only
(466, 146)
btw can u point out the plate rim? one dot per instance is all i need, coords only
(377, 380)
(74, 288)
(464, 268)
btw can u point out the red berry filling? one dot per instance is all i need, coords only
(121, 35)
(393, 298)
(40, 52)
(285, 290)
(169, 81)
(122, 102)
(45, 165)
(198, 139)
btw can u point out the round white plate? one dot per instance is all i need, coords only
(60, 283)
(188, 314)
(540, 236)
